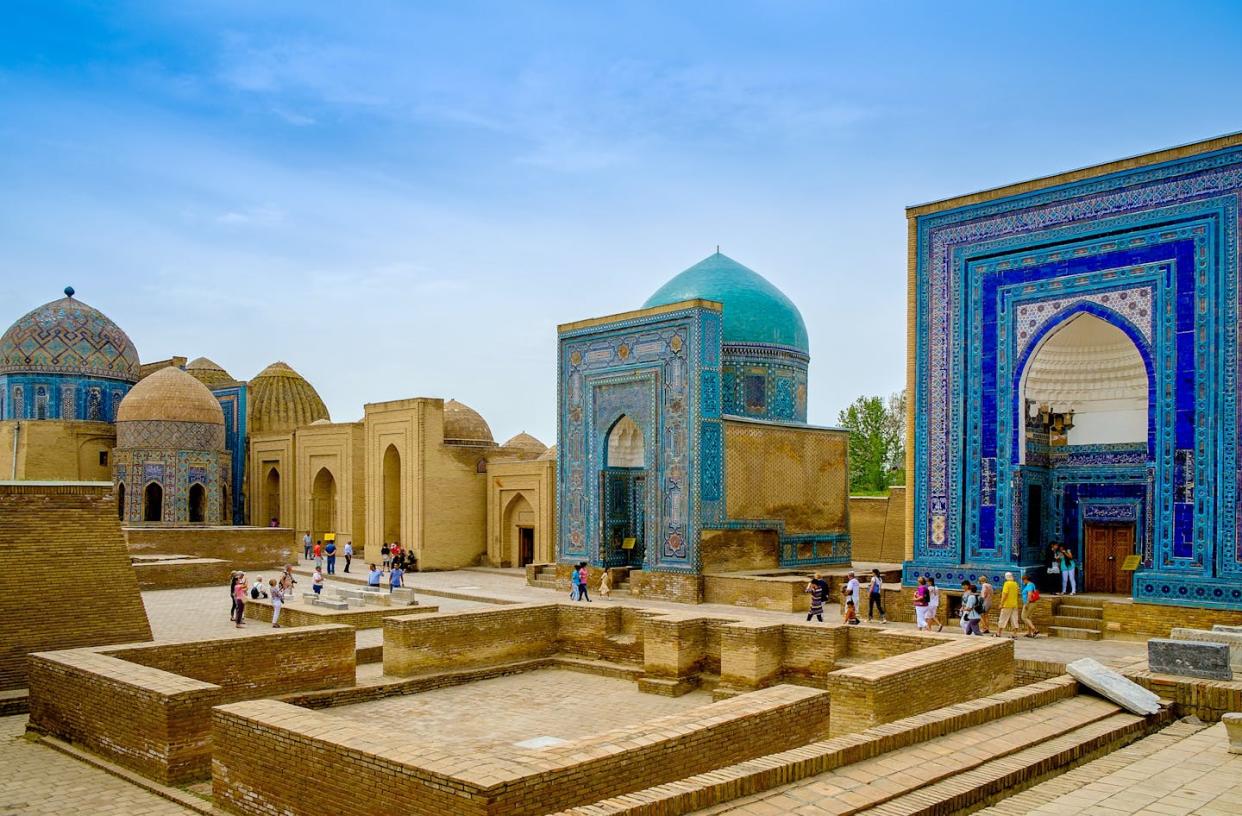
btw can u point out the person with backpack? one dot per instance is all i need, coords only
(985, 597)
(330, 550)
(875, 600)
(259, 589)
(921, 596)
(970, 609)
(1030, 594)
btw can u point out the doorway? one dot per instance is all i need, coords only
(198, 503)
(1107, 546)
(526, 546)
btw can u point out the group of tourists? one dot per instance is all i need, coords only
(394, 556)
(321, 551)
(275, 589)
(818, 589)
(580, 580)
(1063, 563)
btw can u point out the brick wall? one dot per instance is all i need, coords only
(878, 526)
(49, 605)
(778, 594)
(245, 548)
(1143, 621)
(299, 613)
(177, 573)
(416, 644)
(886, 690)
(149, 707)
(1206, 699)
(667, 586)
(736, 550)
(269, 754)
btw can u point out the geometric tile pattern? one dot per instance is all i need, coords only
(68, 337)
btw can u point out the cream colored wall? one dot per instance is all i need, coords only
(54, 450)
(340, 448)
(266, 451)
(395, 423)
(534, 480)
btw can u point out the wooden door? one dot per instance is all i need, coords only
(1107, 546)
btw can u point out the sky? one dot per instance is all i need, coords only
(405, 199)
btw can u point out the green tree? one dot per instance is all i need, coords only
(877, 441)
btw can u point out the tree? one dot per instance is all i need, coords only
(877, 441)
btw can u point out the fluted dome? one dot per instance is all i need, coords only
(550, 453)
(170, 410)
(464, 424)
(208, 372)
(280, 400)
(526, 442)
(755, 311)
(68, 337)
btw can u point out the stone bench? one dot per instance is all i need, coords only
(403, 596)
(310, 598)
(1188, 658)
(339, 606)
(378, 599)
(1231, 639)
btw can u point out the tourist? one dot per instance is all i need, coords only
(330, 550)
(396, 552)
(1010, 601)
(985, 598)
(920, 603)
(239, 598)
(853, 586)
(273, 522)
(306, 546)
(584, 580)
(349, 554)
(933, 605)
(851, 613)
(605, 584)
(816, 589)
(875, 599)
(394, 577)
(1069, 568)
(318, 553)
(373, 577)
(233, 594)
(278, 600)
(386, 555)
(1030, 594)
(317, 580)
(970, 609)
(258, 590)
(575, 579)
(287, 581)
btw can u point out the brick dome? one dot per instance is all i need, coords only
(526, 442)
(550, 453)
(209, 373)
(281, 399)
(170, 410)
(463, 424)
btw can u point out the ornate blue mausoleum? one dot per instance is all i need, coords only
(683, 447)
(1075, 378)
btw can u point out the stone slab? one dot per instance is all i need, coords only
(1231, 639)
(310, 598)
(379, 600)
(403, 595)
(1188, 658)
(339, 606)
(1233, 729)
(1112, 686)
(1224, 627)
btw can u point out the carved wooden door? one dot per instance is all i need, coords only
(1106, 550)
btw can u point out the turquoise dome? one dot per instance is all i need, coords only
(755, 311)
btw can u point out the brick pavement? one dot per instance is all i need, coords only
(494, 714)
(36, 780)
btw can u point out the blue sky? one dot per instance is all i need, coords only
(404, 199)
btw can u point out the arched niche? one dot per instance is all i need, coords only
(625, 444)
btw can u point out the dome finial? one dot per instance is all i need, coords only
(717, 249)
(68, 291)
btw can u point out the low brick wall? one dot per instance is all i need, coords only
(1141, 621)
(245, 548)
(443, 641)
(889, 689)
(300, 613)
(148, 708)
(269, 754)
(776, 593)
(1206, 699)
(667, 586)
(179, 573)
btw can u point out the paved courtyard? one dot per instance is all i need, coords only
(497, 713)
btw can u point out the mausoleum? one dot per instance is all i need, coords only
(1074, 378)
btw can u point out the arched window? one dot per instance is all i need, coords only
(153, 502)
(197, 503)
(625, 444)
(392, 494)
(271, 496)
(41, 403)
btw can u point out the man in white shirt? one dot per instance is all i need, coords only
(349, 554)
(851, 587)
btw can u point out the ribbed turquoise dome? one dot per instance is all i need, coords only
(755, 311)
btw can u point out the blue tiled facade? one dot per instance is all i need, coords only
(60, 396)
(1151, 251)
(233, 402)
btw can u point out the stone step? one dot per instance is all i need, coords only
(851, 787)
(543, 584)
(968, 786)
(1074, 622)
(1075, 633)
(1081, 611)
(1080, 600)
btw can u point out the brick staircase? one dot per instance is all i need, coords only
(940, 762)
(1078, 618)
